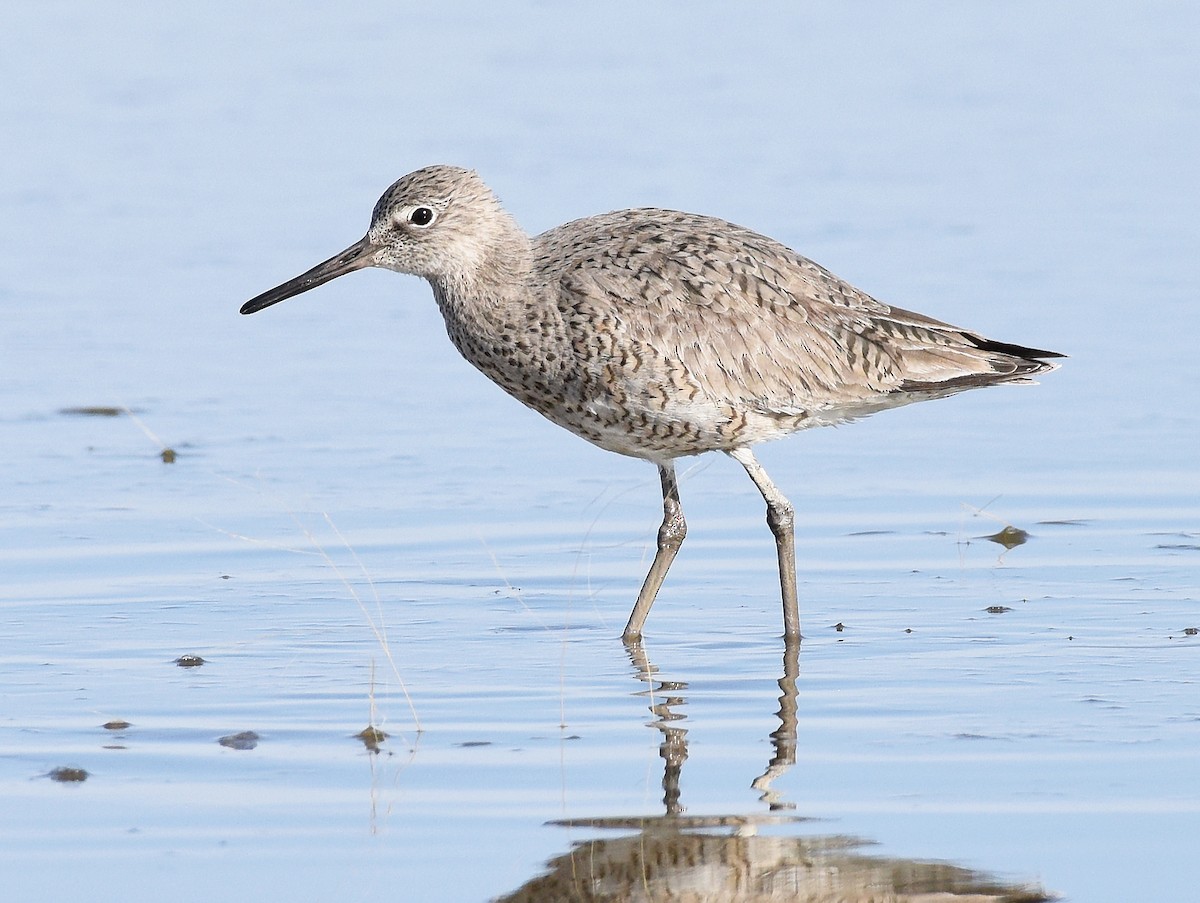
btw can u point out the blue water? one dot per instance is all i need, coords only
(359, 529)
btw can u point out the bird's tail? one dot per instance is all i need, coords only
(991, 363)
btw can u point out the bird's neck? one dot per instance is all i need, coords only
(482, 311)
(499, 318)
(495, 257)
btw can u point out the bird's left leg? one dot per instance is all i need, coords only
(781, 518)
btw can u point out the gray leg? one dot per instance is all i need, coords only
(780, 518)
(670, 538)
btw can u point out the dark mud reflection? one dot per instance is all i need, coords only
(675, 857)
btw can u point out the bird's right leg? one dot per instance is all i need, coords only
(670, 538)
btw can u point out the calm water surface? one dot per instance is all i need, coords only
(358, 530)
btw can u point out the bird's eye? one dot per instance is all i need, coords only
(421, 216)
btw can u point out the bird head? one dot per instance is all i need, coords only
(440, 223)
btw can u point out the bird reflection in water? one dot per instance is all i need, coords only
(698, 859)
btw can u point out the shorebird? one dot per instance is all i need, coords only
(660, 334)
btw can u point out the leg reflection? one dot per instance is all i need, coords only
(666, 696)
(673, 748)
(783, 738)
(715, 858)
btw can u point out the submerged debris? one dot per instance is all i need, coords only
(1010, 537)
(166, 453)
(241, 740)
(67, 775)
(371, 737)
(117, 724)
(93, 411)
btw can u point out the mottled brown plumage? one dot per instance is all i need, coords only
(659, 334)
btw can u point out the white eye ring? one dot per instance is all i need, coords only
(421, 217)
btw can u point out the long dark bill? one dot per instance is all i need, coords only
(356, 257)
